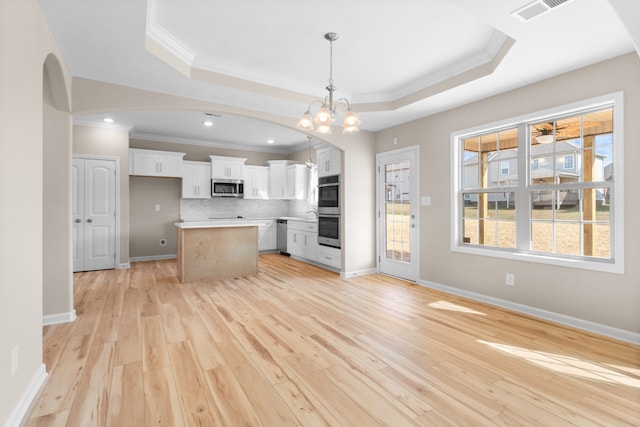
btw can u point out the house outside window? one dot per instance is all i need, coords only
(565, 208)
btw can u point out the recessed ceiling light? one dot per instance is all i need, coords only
(270, 141)
(208, 119)
(108, 120)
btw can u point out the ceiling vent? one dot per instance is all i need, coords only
(536, 8)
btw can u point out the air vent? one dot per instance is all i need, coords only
(536, 8)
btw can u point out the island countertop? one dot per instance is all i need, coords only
(215, 223)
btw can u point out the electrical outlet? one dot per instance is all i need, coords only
(510, 279)
(14, 360)
(163, 242)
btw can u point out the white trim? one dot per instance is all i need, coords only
(123, 266)
(356, 273)
(616, 266)
(585, 325)
(54, 319)
(18, 413)
(152, 258)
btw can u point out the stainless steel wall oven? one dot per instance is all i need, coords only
(329, 230)
(329, 195)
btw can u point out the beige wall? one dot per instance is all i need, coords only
(112, 143)
(607, 299)
(25, 43)
(148, 226)
(57, 242)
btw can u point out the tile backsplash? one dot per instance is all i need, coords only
(203, 209)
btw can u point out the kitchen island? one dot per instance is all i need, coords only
(210, 250)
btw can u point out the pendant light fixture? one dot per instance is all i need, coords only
(309, 161)
(329, 108)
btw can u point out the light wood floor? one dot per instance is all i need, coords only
(296, 345)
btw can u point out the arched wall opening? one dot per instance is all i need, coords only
(57, 196)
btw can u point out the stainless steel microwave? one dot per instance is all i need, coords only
(227, 188)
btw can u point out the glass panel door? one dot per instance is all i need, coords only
(397, 222)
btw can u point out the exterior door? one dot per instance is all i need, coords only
(397, 213)
(94, 214)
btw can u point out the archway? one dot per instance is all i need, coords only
(56, 224)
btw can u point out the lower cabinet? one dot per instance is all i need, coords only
(302, 239)
(330, 256)
(267, 237)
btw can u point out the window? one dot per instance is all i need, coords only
(504, 168)
(565, 208)
(567, 161)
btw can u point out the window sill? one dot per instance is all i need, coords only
(605, 266)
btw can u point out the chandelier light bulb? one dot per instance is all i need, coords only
(324, 116)
(306, 121)
(325, 129)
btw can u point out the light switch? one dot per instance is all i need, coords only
(157, 208)
(425, 200)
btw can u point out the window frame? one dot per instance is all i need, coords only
(613, 265)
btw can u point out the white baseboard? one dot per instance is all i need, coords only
(355, 273)
(54, 319)
(152, 258)
(585, 325)
(124, 266)
(27, 397)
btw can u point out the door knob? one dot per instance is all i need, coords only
(89, 220)
(78, 220)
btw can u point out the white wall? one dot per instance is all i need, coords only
(25, 42)
(612, 300)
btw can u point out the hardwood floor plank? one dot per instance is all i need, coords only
(308, 410)
(197, 404)
(154, 344)
(161, 400)
(126, 400)
(296, 345)
(90, 406)
(234, 406)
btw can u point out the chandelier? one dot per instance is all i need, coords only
(329, 108)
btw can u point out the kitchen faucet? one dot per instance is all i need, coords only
(315, 211)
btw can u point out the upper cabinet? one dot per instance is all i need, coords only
(329, 160)
(155, 163)
(227, 167)
(287, 180)
(256, 182)
(196, 180)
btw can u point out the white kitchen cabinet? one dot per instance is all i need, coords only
(278, 179)
(330, 256)
(267, 235)
(329, 161)
(227, 167)
(288, 180)
(302, 239)
(196, 180)
(296, 182)
(155, 163)
(256, 182)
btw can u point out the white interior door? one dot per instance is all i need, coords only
(94, 214)
(397, 198)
